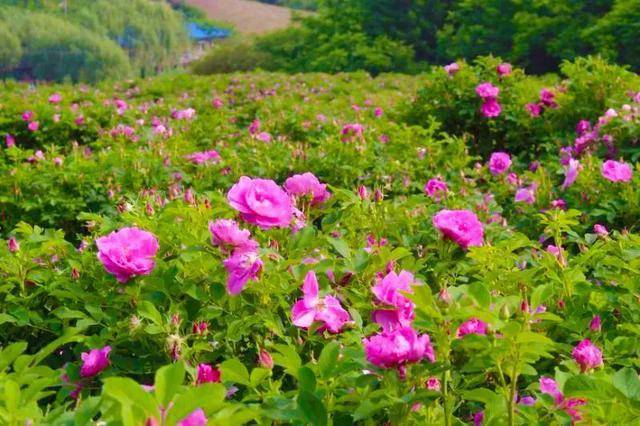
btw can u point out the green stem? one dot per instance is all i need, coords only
(512, 392)
(445, 397)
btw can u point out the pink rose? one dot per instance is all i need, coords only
(461, 226)
(499, 162)
(312, 308)
(261, 202)
(127, 253)
(307, 185)
(94, 361)
(616, 171)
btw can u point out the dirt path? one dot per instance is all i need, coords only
(249, 17)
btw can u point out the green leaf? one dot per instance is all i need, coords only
(148, 310)
(626, 381)
(10, 353)
(168, 381)
(287, 357)
(340, 246)
(306, 379)
(129, 393)
(312, 408)
(208, 396)
(234, 371)
(328, 359)
(258, 375)
(480, 293)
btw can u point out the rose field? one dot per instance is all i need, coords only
(456, 247)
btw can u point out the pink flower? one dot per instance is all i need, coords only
(503, 69)
(265, 359)
(254, 127)
(397, 347)
(587, 355)
(600, 230)
(312, 308)
(217, 103)
(461, 226)
(389, 291)
(352, 131)
(378, 112)
(595, 324)
(211, 156)
(436, 188)
(264, 137)
(27, 115)
(55, 98)
(472, 326)
(184, 114)
(490, 108)
(127, 253)
(305, 185)
(570, 173)
(196, 418)
(94, 361)
(261, 202)
(207, 374)
(526, 195)
(533, 109)
(550, 387)
(582, 127)
(433, 383)
(452, 68)
(226, 234)
(478, 418)
(499, 162)
(242, 266)
(33, 126)
(58, 161)
(547, 98)
(487, 90)
(10, 140)
(616, 171)
(14, 245)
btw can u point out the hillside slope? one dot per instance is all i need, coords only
(249, 17)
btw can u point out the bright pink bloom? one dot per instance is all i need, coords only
(547, 98)
(436, 188)
(14, 245)
(397, 347)
(196, 418)
(254, 127)
(587, 355)
(433, 383)
(312, 308)
(217, 103)
(617, 171)
(550, 387)
(242, 266)
(33, 126)
(378, 112)
(264, 137)
(503, 69)
(307, 185)
(184, 114)
(452, 68)
(211, 156)
(487, 90)
(94, 361)
(55, 98)
(261, 202)
(472, 326)
(27, 115)
(478, 418)
(461, 226)
(526, 195)
(226, 234)
(570, 173)
(389, 291)
(600, 230)
(265, 359)
(207, 374)
(499, 162)
(352, 131)
(533, 109)
(490, 108)
(595, 324)
(127, 253)
(10, 140)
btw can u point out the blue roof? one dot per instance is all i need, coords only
(200, 32)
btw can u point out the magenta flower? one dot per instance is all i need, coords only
(94, 361)
(312, 308)
(184, 114)
(490, 108)
(33, 126)
(217, 103)
(499, 162)
(55, 98)
(377, 112)
(261, 202)
(472, 326)
(570, 173)
(436, 188)
(582, 127)
(460, 226)
(264, 137)
(307, 185)
(27, 115)
(211, 156)
(547, 98)
(487, 90)
(595, 324)
(600, 230)
(503, 69)
(389, 291)
(352, 131)
(550, 387)
(13, 244)
(533, 109)
(9, 140)
(242, 266)
(587, 355)
(397, 347)
(226, 234)
(254, 127)
(207, 374)
(433, 383)
(526, 195)
(478, 418)
(196, 418)
(452, 68)
(616, 171)
(127, 253)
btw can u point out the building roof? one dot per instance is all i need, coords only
(204, 32)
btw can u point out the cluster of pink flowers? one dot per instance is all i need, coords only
(244, 262)
(184, 114)
(546, 100)
(127, 253)
(352, 131)
(489, 94)
(32, 124)
(472, 326)
(587, 355)
(312, 308)
(204, 157)
(398, 343)
(460, 226)
(207, 374)
(570, 405)
(452, 69)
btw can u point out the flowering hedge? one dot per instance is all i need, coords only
(290, 249)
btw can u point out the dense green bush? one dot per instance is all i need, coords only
(234, 54)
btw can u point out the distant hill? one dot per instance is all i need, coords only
(249, 17)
